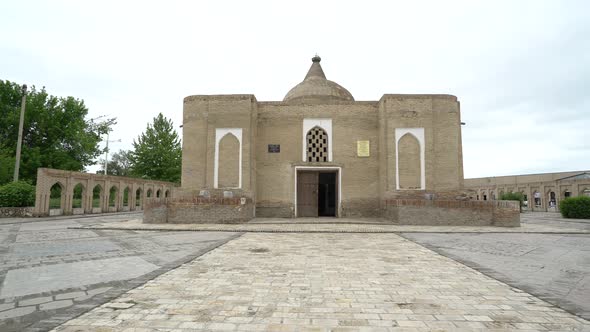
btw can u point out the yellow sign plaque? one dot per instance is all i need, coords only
(363, 149)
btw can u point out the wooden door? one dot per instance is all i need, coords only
(307, 194)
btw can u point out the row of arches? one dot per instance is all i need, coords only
(78, 201)
(534, 199)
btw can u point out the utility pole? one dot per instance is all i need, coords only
(106, 153)
(20, 133)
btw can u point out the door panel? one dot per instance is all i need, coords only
(307, 194)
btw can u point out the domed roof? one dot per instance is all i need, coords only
(316, 88)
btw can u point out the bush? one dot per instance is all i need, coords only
(17, 194)
(575, 207)
(513, 197)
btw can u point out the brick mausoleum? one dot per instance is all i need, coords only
(321, 153)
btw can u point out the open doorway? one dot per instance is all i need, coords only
(317, 193)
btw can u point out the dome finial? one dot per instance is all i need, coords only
(316, 58)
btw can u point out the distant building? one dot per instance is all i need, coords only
(542, 192)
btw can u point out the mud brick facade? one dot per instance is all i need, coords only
(318, 152)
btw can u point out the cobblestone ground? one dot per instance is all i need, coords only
(321, 282)
(50, 273)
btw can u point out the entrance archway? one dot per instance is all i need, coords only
(317, 191)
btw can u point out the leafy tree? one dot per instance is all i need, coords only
(119, 164)
(55, 133)
(157, 153)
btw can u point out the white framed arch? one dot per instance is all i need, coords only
(219, 134)
(326, 125)
(418, 133)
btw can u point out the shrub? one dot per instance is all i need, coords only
(575, 207)
(17, 194)
(513, 197)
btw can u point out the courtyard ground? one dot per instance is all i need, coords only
(50, 273)
(319, 276)
(554, 267)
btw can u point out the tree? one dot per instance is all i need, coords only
(55, 134)
(157, 153)
(119, 164)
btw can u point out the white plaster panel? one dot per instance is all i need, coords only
(219, 134)
(419, 134)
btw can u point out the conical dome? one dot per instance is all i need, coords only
(316, 88)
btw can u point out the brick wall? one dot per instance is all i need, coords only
(456, 213)
(200, 210)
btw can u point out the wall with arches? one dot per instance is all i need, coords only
(542, 192)
(66, 192)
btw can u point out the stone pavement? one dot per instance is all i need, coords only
(332, 225)
(50, 273)
(554, 267)
(324, 282)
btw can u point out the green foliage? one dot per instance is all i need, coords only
(157, 153)
(17, 194)
(112, 196)
(119, 164)
(55, 133)
(512, 197)
(575, 207)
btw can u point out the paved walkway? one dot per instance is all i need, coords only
(332, 225)
(322, 282)
(50, 273)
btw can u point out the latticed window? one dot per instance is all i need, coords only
(317, 145)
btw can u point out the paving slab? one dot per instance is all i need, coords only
(64, 276)
(50, 273)
(325, 282)
(555, 267)
(336, 225)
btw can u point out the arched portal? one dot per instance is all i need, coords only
(149, 193)
(158, 193)
(126, 197)
(537, 199)
(56, 199)
(409, 167)
(167, 193)
(138, 196)
(229, 162)
(78, 197)
(113, 197)
(97, 193)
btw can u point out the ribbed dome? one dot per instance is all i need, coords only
(316, 88)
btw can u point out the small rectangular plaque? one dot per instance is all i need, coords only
(363, 149)
(274, 148)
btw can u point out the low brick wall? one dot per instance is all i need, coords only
(15, 212)
(199, 210)
(456, 213)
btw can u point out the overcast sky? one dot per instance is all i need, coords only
(521, 69)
